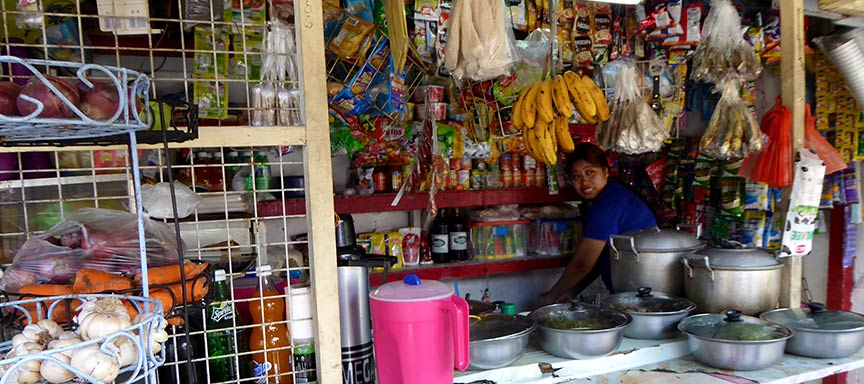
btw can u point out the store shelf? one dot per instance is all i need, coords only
(473, 268)
(445, 199)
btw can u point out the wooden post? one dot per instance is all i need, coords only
(319, 192)
(793, 93)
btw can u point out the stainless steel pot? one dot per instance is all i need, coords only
(651, 258)
(735, 342)
(596, 331)
(498, 340)
(820, 333)
(747, 280)
(655, 315)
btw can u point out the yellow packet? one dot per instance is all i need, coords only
(350, 37)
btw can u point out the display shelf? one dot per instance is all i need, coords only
(445, 199)
(473, 268)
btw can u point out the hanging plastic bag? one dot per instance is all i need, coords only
(732, 132)
(813, 140)
(633, 127)
(772, 165)
(100, 239)
(723, 51)
(479, 41)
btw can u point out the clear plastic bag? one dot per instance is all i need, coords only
(100, 239)
(157, 200)
(724, 52)
(732, 132)
(480, 41)
(633, 127)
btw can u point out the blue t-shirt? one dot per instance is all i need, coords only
(616, 210)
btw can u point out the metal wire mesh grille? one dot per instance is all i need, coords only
(225, 230)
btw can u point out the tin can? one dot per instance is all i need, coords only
(516, 161)
(506, 161)
(396, 179)
(478, 178)
(479, 164)
(530, 177)
(507, 178)
(380, 179)
(540, 177)
(528, 162)
(464, 179)
(518, 182)
(454, 164)
(465, 163)
(452, 179)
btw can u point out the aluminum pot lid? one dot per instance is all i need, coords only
(412, 289)
(658, 240)
(646, 301)
(748, 259)
(578, 316)
(815, 318)
(493, 326)
(733, 326)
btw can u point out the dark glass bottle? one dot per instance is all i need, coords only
(458, 235)
(439, 239)
(177, 351)
(220, 332)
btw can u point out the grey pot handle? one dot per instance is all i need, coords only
(705, 262)
(698, 228)
(630, 240)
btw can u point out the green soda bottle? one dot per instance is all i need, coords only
(220, 332)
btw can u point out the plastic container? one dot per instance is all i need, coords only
(553, 237)
(499, 239)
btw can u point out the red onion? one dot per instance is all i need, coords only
(8, 95)
(54, 106)
(99, 102)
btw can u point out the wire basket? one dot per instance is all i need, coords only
(138, 334)
(487, 107)
(133, 86)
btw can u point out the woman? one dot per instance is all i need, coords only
(613, 210)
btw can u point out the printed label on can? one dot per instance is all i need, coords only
(439, 244)
(458, 241)
(260, 370)
(304, 368)
(358, 365)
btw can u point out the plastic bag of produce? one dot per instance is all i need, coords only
(100, 239)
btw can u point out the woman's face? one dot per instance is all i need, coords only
(588, 179)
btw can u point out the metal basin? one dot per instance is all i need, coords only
(655, 315)
(820, 333)
(724, 350)
(600, 339)
(498, 340)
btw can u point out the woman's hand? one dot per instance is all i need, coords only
(548, 298)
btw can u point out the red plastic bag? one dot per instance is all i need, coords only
(772, 165)
(813, 140)
(100, 239)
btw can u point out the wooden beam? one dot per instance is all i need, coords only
(319, 191)
(793, 91)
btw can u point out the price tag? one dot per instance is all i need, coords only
(124, 17)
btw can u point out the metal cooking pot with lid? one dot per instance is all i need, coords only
(655, 315)
(650, 258)
(498, 340)
(820, 332)
(580, 331)
(735, 342)
(744, 279)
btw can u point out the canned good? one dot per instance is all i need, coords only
(478, 178)
(452, 179)
(479, 164)
(454, 164)
(516, 161)
(506, 161)
(517, 178)
(530, 177)
(465, 163)
(396, 180)
(464, 179)
(529, 162)
(380, 180)
(507, 178)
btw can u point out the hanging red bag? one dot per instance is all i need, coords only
(772, 165)
(814, 141)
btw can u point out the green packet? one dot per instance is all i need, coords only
(248, 44)
(211, 52)
(212, 99)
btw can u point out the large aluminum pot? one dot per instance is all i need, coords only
(655, 315)
(819, 332)
(735, 342)
(651, 258)
(747, 280)
(580, 331)
(498, 340)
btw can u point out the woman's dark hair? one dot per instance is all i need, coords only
(590, 153)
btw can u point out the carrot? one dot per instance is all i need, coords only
(94, 281)
(62, 315)
(170, 274)
(175, 321)
(163, 296)
(46, 290)
(195, 290)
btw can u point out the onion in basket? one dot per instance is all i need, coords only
(54, 106)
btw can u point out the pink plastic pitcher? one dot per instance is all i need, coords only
(420, 332)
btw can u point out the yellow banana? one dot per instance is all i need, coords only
(551, 146)
(530, 141)
(545, 111)
(516, 111)
(583, 101)
(541, 131)
(599, 98)
(562, 132)
(529, 106)
(561, 97)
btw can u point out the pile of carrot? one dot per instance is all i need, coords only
(166, 285)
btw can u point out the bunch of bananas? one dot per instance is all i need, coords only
(542, 112)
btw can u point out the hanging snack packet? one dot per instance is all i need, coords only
(582, 41)
(348, 41)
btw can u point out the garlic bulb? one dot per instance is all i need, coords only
(68, 335)
(27, 373)
(101, 318)
(156, 338)
(92, 361)
(40, 333)
(56, 373)
(127, 353)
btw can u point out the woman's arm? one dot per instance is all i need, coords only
(587, 254)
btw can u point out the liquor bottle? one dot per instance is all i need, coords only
(439, 239)
(268, 315)
(177, 354)
(202, 171)
(220, 332)
(458, 236)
